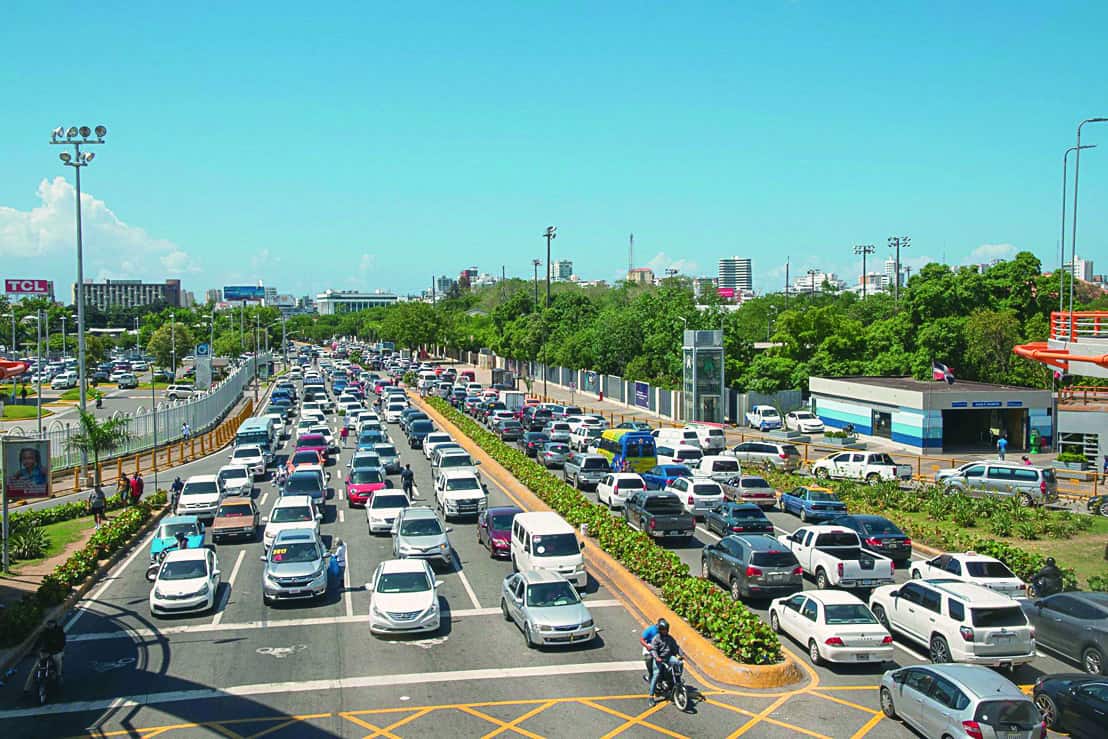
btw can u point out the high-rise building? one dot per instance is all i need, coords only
(735, 274)
(130, 293)
(561, 269)
(214, 295)
(444, 284)
(1081, 269)
(813, 282)
(270, 296)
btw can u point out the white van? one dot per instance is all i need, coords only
(677, 437)
(718, 467)
(542, 540)
(710, 438)
(679, 454)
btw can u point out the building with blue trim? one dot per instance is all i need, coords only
(934, 416)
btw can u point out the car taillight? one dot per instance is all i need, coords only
(752, 571)
(736, 528)
(691, 500)
(653, 523)
(1042, 486)
(966, 632)
(887, 640)
(669, 481)
(798, 570)
(907, 542)
(873, 542)
(840, 569)
(833, 641)
(972, 729)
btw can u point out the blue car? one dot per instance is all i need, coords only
(812, 503)
(662, 475)
(166, 535)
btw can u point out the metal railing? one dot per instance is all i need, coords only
(1078, 325)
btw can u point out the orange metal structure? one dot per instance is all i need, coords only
(1071, 328)
(10, 369)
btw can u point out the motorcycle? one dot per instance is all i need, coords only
(1040, 587)
(46, 679)
(671, 684)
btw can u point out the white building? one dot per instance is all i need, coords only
(332, 302)
(561, 269)
(1081, 269)
(735, 274)
(808, 283)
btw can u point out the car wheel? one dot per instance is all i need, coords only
(821, 580)
(803, 515)
(1026, 501)
(887, 706)
(1048, 709)
(939, 651)
(822, 473)
(813, 652)
(873, 478)
(774, 622)
(504, 610)
(736, 590)
(1103, 508)
(1092, 661)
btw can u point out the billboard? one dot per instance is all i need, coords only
(27, 287)
(243, 292)
(203, 365)
(642, 395)
(26, 468)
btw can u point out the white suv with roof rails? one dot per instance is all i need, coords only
(957, 621)
(974, 568)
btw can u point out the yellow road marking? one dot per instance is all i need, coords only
(769, 720)
(377, 731)
(515, 722)
(497, 722)
(874, 721)
(847, 687)
(758, 717)
(833, 699)
(630, 721)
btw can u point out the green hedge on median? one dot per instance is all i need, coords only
(738, 633)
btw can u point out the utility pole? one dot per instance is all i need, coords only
(786, 283)
(549, 235)
(631, 254)
(432, 291)
(864, 249)
(535, 263)
(38, 382)
(898, 243)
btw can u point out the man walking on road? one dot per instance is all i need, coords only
(185, 430)
(123, 489)
(97, 504)
(407, 480)
(1001, 446)
(344, 434)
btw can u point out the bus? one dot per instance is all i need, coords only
(637, 447)
(257, 430)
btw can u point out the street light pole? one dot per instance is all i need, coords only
(812, 281)
(864, 249)
(38, 378)
(550, 235)
(1062, 241)
(1073, 233)
(535, 263)
(898, 243)
(63, 339)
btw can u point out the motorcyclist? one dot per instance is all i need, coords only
(664, 650)
(1049, 578)
(645, 638)
(51, 641)
(175, 492)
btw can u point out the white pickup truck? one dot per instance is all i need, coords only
(872, 467)
(764, 418)
(833, 556)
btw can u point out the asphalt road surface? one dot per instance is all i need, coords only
(313, 669)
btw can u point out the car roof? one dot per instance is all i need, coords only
(536, 577)
(295, 535)
(419, 511)
(746, 507)
(238, 499)
(503, 509)
(833, 597)
(626, 475)
(456, 473)
(200, 478)
(226, 467)
(545, 519)
(292, 500)
(180, 519)
(403, 565)
(977, 680)
(185, 555)
(977, 595)
(972, 557)
(760, 542)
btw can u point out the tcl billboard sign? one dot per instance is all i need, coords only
(27, 287)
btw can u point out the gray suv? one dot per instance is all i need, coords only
(295, 567)
(785, 457)
(1075, 625)
(417, 533)
(1032, 485)
(752, 566)
(582, 469)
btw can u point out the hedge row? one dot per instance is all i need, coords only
(733, 628)
(25, 520)
(20, 619)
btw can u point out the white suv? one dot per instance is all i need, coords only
(201, 496)
(957, 621)
(290, 512)
(974, 568)
(179, 392)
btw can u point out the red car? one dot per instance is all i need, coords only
(302, 457)
(362, 484)
(315, 442)
(494, 530)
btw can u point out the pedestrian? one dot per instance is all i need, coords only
(96, 504)
(137, 485)
(337, 566)
(185, 430)
(123, 489)
(1001, 446)
(23, 393)
(407, 480)
(344, 434)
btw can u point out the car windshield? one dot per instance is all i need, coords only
(303, 483)
(456, 460)
(706, 489)
(311, 440)
(403, 582)
(501, 521)
(555, 545)
(463, 483)
(246, 453)
(996, 713)
(689, 454)
(295, 551)
(385, 450)
(557, 449)
(998, 616)
(188, 569)
(630, 484)
(305, 458)
(725, 465)
(234, 510)
(290, 514)
(551, 594)
(421, 527)
(366, 476)
(170, 530)
(200, 488)
(847, 613)
(988, 569)
(881, 526)
(748, 514)
(421, 426)
(818, 497)
(366, 460)
(804, 416)
(880, 459)
(234, 473)
(595, 463)
(389, 501)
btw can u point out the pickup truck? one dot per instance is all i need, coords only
(872, 467)
(659, 515)
(764, 418)
(834, 557)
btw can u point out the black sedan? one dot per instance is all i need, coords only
(1073, 703)
(878, 534)
(532, 441)
(738, 518)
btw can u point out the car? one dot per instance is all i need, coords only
(750, 489)
(166, 534)
(295, 567)
(508, 429)
(680, 454)
(417, 430)
(237, 480)
(835, 626)
(99, 376)
(303, 457)
(871, 467)
(1073, 703)
(382, 510)
(585, 469)
(805, 422)
(494, 530)
(812, 503)
(250, 456)
(583, 438)
(237, 517)
(187, 582)
(418, 533)
(878, 534)
(957, 621)
(290, 512)
(1074, 625)
(737, 518)
(959, 701)
(116, 374)
(328, 436)
(663, 475)
(179, 392)
(363, 482)
(636, 426)
(546, 608)
(460, 493)
(432, 440)
(531, 442)
(558, 431)
(308, 480)
(316, 442)
(615, 487)
(390, 458)
(200, 496)
(404, 597)
(698, 495)
(127, 381)
(781, 456)
(752, 566)
(971, 567)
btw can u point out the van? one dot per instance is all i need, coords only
(679, 454)
(677, 437)
(710, 438)
(719, 468)
(1031, 485)
(543, 540)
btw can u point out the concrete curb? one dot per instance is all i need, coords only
(700, 651)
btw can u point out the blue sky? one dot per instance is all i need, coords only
(311, 146)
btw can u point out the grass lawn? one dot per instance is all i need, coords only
(23, 412)
(157, 385)
(74, 393)
(60, 534)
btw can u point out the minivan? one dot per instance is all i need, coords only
(675, 437)
(543, 540)
(1032, 485)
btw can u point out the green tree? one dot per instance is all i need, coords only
(95, 438)
(989, 338)
(170, 343)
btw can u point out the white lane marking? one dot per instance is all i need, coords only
(341, 494)
(346, 683)
(148, 634)
(230, 584)
(342, 516)
(262, 500)
(346, 588)
(469, 590)
(281, 652)
(112, 576)
(706, 532)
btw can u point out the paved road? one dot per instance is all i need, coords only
(314, 670)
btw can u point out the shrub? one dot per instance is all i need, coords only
(1099, 583)
(29, 544)
(1071, 458)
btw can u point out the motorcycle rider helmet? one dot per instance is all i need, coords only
(1050, 562)
(663, 626)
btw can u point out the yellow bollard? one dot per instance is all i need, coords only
(119, 468)
(77, 479)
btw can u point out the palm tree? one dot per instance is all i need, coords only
(98, 437)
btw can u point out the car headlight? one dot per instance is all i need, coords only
(203, 591)
(545, 627)
(587, 624)
(444, 547)
(376, 611)
(158, 593)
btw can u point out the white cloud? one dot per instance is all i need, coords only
(112, 247)
(988, 252)
(661, 262)
(367, 263)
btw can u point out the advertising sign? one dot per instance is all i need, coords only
(232, 293)
(203, 366)
(642, 395)
(27, 287)
(26, 468)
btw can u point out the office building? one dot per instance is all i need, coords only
(188, 300)
(641, 276)
(1081, 269)
(270, 295)
(808, 283)
(214, 295)
(444, 284)
(333, 302)
(561, 269)
(130, 294)
(735, 274)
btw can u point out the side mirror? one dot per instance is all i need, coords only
(438, 583)
(582, 544)
(265, 520)
(476, 462)
(319, 517)
(217, 573)
(201, 528)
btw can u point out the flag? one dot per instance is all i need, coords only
(940, 371)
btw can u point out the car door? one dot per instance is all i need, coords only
(806, 621)
(934, 567)
(1089, 710)
(840, 464)
(516, 591)
(734, 557)
(913, 695)
(939, 707)
(1062, 619)
(790, 612)
(908, 609)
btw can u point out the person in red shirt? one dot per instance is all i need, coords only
(137, 485)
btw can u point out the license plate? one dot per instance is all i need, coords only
(1002, 638)
(777, 578)
(673, 533)
(1011, 734)
(862, 657)
(868, 583)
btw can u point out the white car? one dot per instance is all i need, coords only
(834, 625)
(393, 411)
(432, 440)
(405, 597)
(595, 422)
(615, 488)
(382, 509)
(290, 512)
(250, 456)
(805, 422)
(187, 582)
(200, 497)
(698, 495)
(971, 567)
(237, 480)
